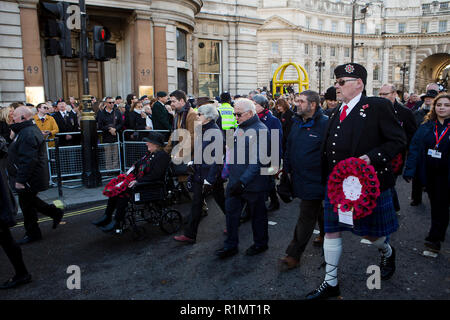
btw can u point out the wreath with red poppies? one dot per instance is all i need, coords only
(396, 163)
(116, 188)
(353, 186)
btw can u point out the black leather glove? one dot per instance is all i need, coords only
(237, 189)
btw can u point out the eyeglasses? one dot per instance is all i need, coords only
(199, 114)
(46, 108)
(110, 102)
(342, 81)
(382, 94)
(238, 115)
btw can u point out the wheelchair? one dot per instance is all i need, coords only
(151, 203)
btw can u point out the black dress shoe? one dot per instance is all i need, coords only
(254, 250)
(434, 246)
(273, 206)
(16, 281)
(387, 265)
(415, 203)
(28, 239)
(103, 221)
(226, 252)
(112, 226)
(324, 291)
(58, 218)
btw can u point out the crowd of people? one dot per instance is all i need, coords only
(314, 135)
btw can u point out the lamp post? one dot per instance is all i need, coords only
(91, 176)
(403, 69)
(363, 11)
(320, 64)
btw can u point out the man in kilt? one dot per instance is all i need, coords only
(366, 128)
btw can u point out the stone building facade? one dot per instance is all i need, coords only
(392, 32)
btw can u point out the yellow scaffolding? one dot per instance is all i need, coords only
(302, 80)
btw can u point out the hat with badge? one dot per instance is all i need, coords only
(429, 94)
(351, 70)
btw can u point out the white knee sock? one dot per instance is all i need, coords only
(384, 247)
(332, 249)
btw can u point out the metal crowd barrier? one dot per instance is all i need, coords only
(66, 162)
(133, 150)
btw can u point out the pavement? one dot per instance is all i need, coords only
(74, 196)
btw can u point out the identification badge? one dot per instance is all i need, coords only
(434, 153)
(345, 217)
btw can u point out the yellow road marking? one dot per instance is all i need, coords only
(71, 214)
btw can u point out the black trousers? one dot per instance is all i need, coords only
(31, 204)
(439, 193)
(12, 250)
(417, 189)
(310, 212)
(119, 205)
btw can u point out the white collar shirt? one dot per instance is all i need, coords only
(351, 104)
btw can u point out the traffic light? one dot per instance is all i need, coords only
(58, 40)
(103, 50)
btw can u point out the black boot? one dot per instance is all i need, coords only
(103, 221)
(274, 203)
(387, 265)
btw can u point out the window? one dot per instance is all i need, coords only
(274, 47)
(307, 67)
(334, 26)
(362, 52)
(209, 68)
(401, 27)
(346, 52)
(442, 26)
(348, 28)
(181, 45)
(376, 73)
(376, 53)
(320, 24)
(182, 79)
(333, 51)
(319, 50)
(308, 23)
(397, 75)
(425, 26)
(426, 7)
(332, 71)
(444, 5)
(306, 48)
(362, 29)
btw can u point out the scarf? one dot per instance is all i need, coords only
(263, 114)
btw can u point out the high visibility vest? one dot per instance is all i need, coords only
(228, 119)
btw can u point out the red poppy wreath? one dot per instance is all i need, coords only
(117, 186)
(353, 186)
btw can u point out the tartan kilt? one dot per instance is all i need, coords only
(382, 222)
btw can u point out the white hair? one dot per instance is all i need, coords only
(209, 111)
(246, 104)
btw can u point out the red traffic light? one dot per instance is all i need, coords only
(101, 33)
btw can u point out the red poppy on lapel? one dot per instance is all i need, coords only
(365, 106)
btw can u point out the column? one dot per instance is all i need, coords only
(369, 85)
(385, 65)
(143, 55)
(32, 62)
(160, 55)
(412, 69)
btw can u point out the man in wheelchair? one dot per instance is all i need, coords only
(149, 170)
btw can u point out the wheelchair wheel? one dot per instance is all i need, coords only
(138, 233)
(171, 221)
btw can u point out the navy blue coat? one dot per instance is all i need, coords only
(418, 152)
(249, 173)
(273, 122)
(210, 172)
(302, 156)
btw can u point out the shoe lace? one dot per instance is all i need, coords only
(383, 261)
(322, 287)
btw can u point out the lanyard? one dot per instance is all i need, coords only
(438, 139)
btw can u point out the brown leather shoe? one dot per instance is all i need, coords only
(318, 241)
(288, 263)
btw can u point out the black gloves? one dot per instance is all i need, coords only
(237, 189)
